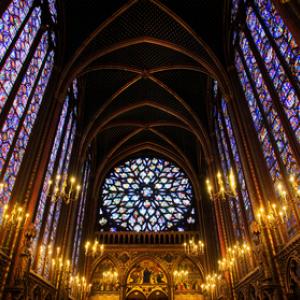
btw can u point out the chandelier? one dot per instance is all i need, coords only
(293, 193)
(275, 215)
(211, 284)
(239, 253)
(110, 276)
(64, 188)
(193, 248)
(221, 191)
(180, 275)
(93, 249)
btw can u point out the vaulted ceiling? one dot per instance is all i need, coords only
(145, 70)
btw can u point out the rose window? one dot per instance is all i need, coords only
(146, 194)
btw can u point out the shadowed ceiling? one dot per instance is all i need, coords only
(144, 69)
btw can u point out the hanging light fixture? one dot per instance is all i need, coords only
(222, 191)
(194, 248)
(64, 188)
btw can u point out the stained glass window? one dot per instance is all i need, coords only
(283, 38)
(237, 162)
(80, 215)
(14, 62)
(52, 8)
(50, 168)
(267, 60)
(267, 107)
(147, 194)
(11, 21)
(26, 62)
(260, 127)
(234, 9)
(226, 166)
(65, 167)
(58, 164)
(282, 84)
(239, 205)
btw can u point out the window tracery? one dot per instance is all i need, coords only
(230, 160)
(48, 213)
(26, 61)
(267, 61)
(81, 214)
(147, 194)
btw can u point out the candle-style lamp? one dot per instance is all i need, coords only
(63, 188)
(221, 192)
(194, 248)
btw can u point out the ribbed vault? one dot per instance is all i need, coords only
(145, 77)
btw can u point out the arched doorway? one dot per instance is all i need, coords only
(293, 278)
(147, 276)
(157, 295)
(105, 281)
(191, 281)
(136, 295)
(187, 280)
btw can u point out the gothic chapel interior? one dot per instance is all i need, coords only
(149, 149)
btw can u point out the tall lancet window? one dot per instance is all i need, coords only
(26, 60)
(48, 212)
(240, 206)
(267, 59)
(77, 247)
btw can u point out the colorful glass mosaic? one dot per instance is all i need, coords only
(50, 168)
(234, 9)
(12, 66)
(258, 122)
(52, 8)
(62, 161)
(283, 38)
(147, 194)
(65, 171)
(237, 162)
(11, 21)
(226, 164)
(22, 115)
(65, 140)
(80, 216)
(21, 101)
(267, 109)
(281, 83)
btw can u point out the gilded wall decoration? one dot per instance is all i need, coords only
(146, 277)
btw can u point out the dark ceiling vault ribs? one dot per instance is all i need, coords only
(146, 74)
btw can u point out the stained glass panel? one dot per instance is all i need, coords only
(59, 171)
(65, 171)
(19, 107)
(281, 82)
(28, 113)
(63, 165)
(234, 217)
(80, 216)
(282, 36)
(50, 168)
(52, 8)
(14, 62)
(11, 21)
(235, 209)
(268, 109)
(75, 88)
(53, 218)
(257, 118)
(237, 161)
(234, 8)
(147, 194)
